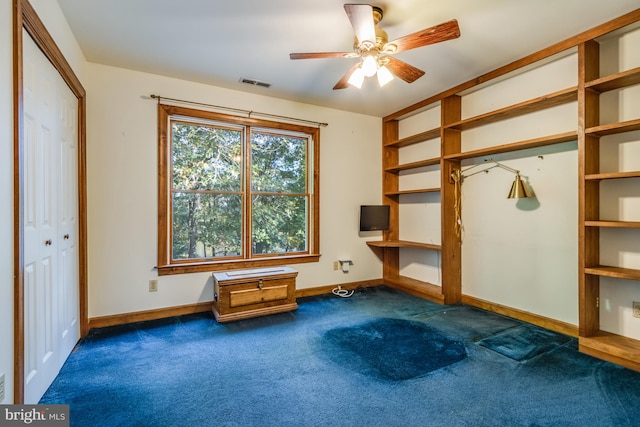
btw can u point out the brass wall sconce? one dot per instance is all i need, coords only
(519, 188)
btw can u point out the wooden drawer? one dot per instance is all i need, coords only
(241, 294)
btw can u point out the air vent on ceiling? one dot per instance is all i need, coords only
(254, 82)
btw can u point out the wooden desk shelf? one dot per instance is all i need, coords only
(403, 244)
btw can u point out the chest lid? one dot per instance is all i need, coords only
(235, 276)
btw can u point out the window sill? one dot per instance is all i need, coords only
(201, 267)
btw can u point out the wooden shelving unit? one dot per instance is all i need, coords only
(611, 175)
(618, 224)
(617, 272)
(390, 247)
(514, 146)
(616, 81)
(593, 340)
(414, 139)
(526, 107)
(614, 128)
(587, 133)
(413, 165)
(413, 191)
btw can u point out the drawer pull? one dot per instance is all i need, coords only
(260, 284)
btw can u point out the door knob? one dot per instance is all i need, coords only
(48, 242)
(66, 237)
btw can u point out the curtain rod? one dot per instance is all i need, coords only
(239, 111)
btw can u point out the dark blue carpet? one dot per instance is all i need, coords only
(524, 342)
(379, 358)
(392, 349)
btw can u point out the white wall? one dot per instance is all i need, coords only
(122, 187)
(6, 196)
(523, 253)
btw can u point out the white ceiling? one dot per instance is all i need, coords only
(218, 42)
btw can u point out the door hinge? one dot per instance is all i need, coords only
(597, 302)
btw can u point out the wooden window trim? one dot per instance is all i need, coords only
(165, 265)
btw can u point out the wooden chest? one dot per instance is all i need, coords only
(240, 294)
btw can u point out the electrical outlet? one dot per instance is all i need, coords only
(153, 285)
(636, 309)
(1, 388)
(336, 265)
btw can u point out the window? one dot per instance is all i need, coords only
(235, 192)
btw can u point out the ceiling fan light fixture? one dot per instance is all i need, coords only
(369, 65)
(357, 78)
(384, 76)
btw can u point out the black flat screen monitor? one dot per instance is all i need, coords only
(374, 217)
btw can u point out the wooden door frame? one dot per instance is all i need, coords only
(24, 16)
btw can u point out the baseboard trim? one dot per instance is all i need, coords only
(161, 313)
(321, 290)
(141, 316)
(545, 322)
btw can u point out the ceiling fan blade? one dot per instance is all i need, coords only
(343, 83)
(406, 72)
(436, 34)
(322, 55)
(361, 18)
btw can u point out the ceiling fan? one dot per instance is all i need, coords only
(373, 47)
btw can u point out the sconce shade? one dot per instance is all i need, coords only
(518, 189)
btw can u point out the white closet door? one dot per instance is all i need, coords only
(68, 263)
(50, 260)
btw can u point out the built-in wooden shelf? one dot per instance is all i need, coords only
(403, 244)
(413, 165)
(515, 146)
(616, 272)
(615, 224)
(611, 175)
(615, 348)
(615, 81)
(415, 191)
(614, 128)
(414, 139)
(586, 132)
(530, 106)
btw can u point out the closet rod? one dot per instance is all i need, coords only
(239, 111)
